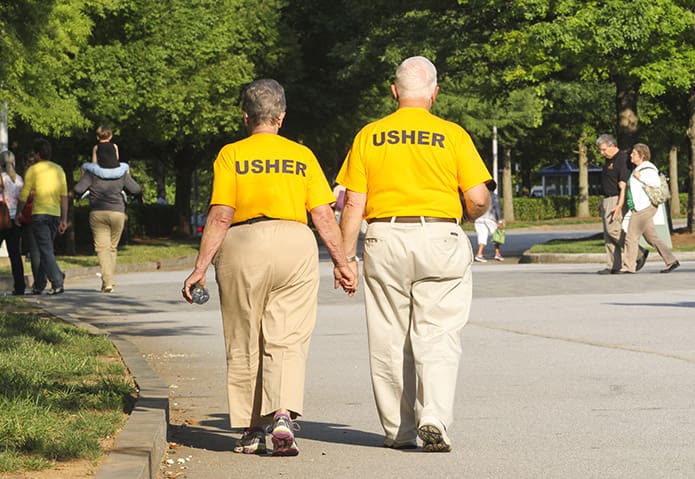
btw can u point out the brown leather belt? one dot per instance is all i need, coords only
(251, 221)
(411, 219)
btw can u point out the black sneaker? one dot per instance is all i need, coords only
(251, 442)
(641, 259)
(671, 267)
(54, 291)
(607, 271)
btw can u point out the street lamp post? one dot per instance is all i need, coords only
(4, 142)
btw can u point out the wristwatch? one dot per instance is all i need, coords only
(353, 259)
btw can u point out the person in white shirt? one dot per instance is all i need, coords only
(643, 211)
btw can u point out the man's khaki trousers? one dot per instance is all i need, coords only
(418, 298)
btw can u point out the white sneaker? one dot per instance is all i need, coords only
(480, 259)
(498, 257)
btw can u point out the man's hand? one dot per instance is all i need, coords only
(346, 276)
(617, 214)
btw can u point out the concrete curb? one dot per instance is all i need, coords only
(142, 443)
(548, 258)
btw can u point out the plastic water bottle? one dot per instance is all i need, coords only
(199, 294)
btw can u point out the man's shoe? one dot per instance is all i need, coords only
(54, 291)
(251, 442)
(480, 259)
(36, 291)
(625, 271)
(642, 258)
(434, 438)
(607, 271)
(671, 267)
(283, 436)
(499, 257)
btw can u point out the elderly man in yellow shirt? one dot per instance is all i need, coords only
(406, 172)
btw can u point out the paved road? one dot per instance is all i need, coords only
(565, 374)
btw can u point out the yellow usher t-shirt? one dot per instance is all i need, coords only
(412, 163)
(269, 175)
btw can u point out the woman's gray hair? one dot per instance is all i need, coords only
(7, 163)
(263, 101)
(416, 77)
(643, 151)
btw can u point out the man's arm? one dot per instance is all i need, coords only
(476, 201)
(350, 222)
(63, 214)
(323, 218)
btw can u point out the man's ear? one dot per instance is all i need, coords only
(434, 95)
(394, 91)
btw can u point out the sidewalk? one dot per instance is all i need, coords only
(144, 313)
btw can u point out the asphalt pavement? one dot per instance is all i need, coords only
(565, 374)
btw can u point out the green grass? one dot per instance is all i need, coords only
(594, 244)
(62, 390)
(570, 246)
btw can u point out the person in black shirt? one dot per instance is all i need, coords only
(614, 181)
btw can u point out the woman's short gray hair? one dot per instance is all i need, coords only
(416, 77)
(263, 101)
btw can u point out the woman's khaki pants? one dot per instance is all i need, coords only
(268, 279)
(107, 227)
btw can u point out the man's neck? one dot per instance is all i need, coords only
(425, 103)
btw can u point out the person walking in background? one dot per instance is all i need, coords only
(266, 264)
(107, 214)
(642, 218)
(11, 185)
(405, 172)
(614, 178)
(485, 227)
(37, 274)
(49, 214)
(105, 153)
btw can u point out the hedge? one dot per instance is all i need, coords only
(535, 209)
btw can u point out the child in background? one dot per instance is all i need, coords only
(105, 153)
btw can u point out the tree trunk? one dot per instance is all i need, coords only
(691, 175)
(627, 92)
(183, 162)
(508, 194)
(673, 175)
(583, 201)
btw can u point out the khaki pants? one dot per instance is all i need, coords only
(268, 280)
(642, 223)
(418, 297)
(107, 227)
(613, 234)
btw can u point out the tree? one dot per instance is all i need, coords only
(170, 78)
(38, 51)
